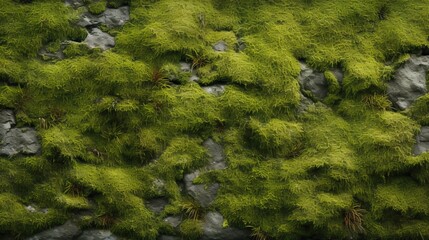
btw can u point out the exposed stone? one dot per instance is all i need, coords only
(157, 205)
(47, 55)
(185, 67)
(240, 45)
(67, 231)
(173, 221)
(115, 17)
(339, 75)
(30, 209)
(409, 82)
(194, 77)
(112, 17)
(97, 235)
(213, 229)
(99, 39)
(20, 140)
(304, 104)
(16, 140)
(216, 154)
(165, 237)
(205, 195)
(74, 3)
(220, 46)
(313, 81)
(216, 90)
(422, 144)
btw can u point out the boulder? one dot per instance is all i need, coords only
(313, 82)
(409, 82)
(97, 235)
(99, 39)
(213, 229)
(67, 231)
(422, 144)
(7, 120)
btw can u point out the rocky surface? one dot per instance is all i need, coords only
(74, 3)
(313, 82)
(99, 39)
(97, 235)
(111, 17)
(220, 46)
(165, 237)
(409, 82)
(48, 55)
(187, 68)
(213, 229)
(15, 141)
(216, 90)
(173, 221)
(205, 195)
(202, 193)
(422, 144)
(67, 231)
(157, 205)
(216, 154)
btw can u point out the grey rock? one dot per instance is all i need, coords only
(115, 17)
(220, 46)
(216, 154)
(74, 3)
(165, 237)
(205, 195)
(16, 140)
(67, 231)
(47, 55)
(422, 144)
(97, 235)
(213, 229)
(185, 67)
(216, 90)
(173, 221)
(304, 104)
(157, 205)
(409, 82)
(240, 45)
(313, 81)
(19, 140)
(194, 77)
(99, 39)
(7, 116)
(112, 17)
(30, 209)
(7, 121)
(339, 74)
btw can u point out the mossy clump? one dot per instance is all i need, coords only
(123, 126)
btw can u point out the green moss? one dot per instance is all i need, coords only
(16, 220)
(191, 229)
(120, 127)
(97, 7)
